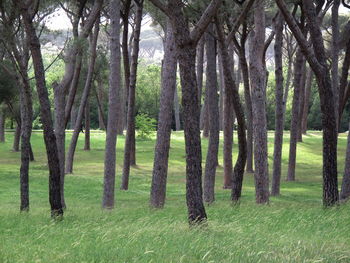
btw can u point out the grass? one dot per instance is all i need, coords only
(292, 228)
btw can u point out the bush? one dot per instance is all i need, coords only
(144, 125)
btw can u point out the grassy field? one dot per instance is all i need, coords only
(292, 228)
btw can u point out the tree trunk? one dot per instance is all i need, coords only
(279, 119)
(87, 126)
(113, 102)
(345, 188)
(177, 110)
(49, 136)
(309, 77)
(258, 91)
(213, 106)
(130, 151)
(298, 71)
(160, 164)
(26, 130)
(301, 103)
(17, 138)
(99, 99)
(73, 117)
(205, 115)
(232, 92)
(2, 125)
(83, 102)
(200, 68)
(228, 129)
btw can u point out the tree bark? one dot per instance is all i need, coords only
(213, 106)
(2, 125)
(298, 72)
(302, 102)
(73, 117)
(279, 119)
(17, 138)
(99, 99)
(83, 102)
(258, 93)
(345, 188)
(114, 101)
(130, 151)
(161, 153)
(49, 136)
(177, 110)
(308, 85)
(87, 126)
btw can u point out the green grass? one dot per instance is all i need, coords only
(292, 228)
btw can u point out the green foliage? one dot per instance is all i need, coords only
(144, 126)
(8, 86)
(294, 227)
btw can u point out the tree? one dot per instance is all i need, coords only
(258, 91)
(186, 42)
(213, 108)
(161, 153)
(316, 56)
(28, 11)
(113, 103)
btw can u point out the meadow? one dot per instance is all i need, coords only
(294, 227)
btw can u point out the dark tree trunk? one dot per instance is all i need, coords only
(298, 72)
(83, 103)
(308, 85)
(205, 115)
(301, 103)
(279, 119)
(200, 68)
(99, 99)
(49, 135)
(16, 138)
(228, 129)
(177, 110)
(258, 93)
(26, 130)
(160, 164)
(345, 188)
(113, 102)
(213, 105)
(73, 116)
(130, 147)
(232, 92)
(2, 125)
(87, 126)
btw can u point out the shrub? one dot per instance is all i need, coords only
(144, 125)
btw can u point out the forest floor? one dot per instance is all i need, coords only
(294, 227)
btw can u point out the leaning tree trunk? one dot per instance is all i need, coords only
(345, 188)
(26, 130)
(113, 104)
(130, 147)
(258, 92)
(161, 153)
(279, 119)
(73, 117)
(84, 101)
(49, 135)
(87, 126)
(213, 106)
(232, 92)
(2, 125)
(17, 138)
(177, 110)
(298, 71)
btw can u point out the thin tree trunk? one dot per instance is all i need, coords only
(177, 110)
(345, 188)
(232, 91)
(2, 125)
(309, 77)
(205, 115)
(49, 135)
(298, 71)
(84, 101)
(258, 91)
(130, 151)
(16, 138)
(301, 103)
(114, 100)
(213, 108)
(101, 118)
(200, 68)
(279, 119)
(73, 117)
(87, 126)
(161, 153)
(335, 55)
